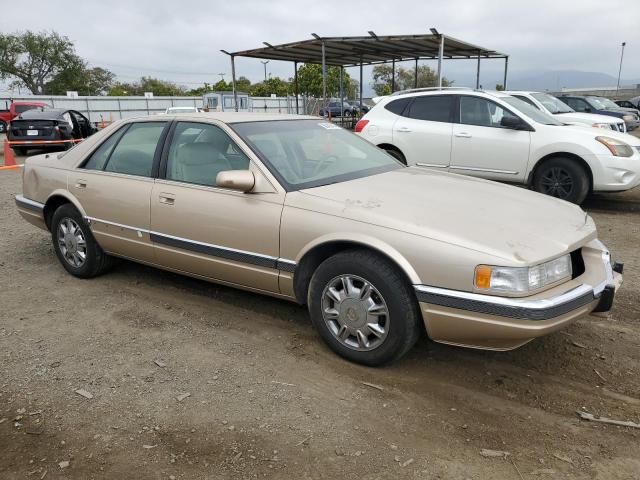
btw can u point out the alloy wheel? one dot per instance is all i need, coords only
(72, 242)
(355, 312)
(557, 182)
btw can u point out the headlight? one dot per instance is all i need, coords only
(602, 125)
(628, 118)
(617, 147)
(522, 279)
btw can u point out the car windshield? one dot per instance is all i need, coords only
(608, 103)
(531, 112)
(552, 104)
(311, 153)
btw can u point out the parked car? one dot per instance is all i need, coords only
(551, 105)
(496, 136)
(333, 109)
(14, 109)
(632, 103)
(358, 107)
(172, 110)
(304, 210)
(602, 106)
(56, 128)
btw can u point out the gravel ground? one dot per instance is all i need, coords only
(193, 380)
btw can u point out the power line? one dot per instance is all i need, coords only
(97, 62)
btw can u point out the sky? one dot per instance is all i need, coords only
(181, 41)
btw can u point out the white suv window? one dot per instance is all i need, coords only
(435, 108)
(481, 112)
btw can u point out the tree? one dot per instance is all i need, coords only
(33, 59)
(404, 78)
(78, 77)
(310, 81)
(499, 87)
(158, 87)
(274, 85)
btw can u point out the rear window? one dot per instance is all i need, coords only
(398, 106)
(434, 108)
(24, 108)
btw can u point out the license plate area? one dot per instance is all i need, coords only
(32, 133)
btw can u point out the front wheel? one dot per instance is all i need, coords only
(75, 247)
(562, 178)
(363, 307)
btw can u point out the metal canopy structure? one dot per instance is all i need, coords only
(371, 50)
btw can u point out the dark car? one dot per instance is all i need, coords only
(364, 108)
(602, 106)
(14, 109)
(333, 109)
(57, 129)
(628, 103)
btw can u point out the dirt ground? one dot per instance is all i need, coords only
(266, 399)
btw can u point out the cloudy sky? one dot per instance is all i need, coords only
(181, 40)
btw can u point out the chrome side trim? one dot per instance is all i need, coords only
(540, 309)
(489, 170)
(431, 165)
(22, 201)
(209, 248)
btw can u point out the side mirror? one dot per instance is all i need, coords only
(514, 123)
(242, 180)
(587, 110)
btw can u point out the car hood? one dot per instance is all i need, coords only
(620, 110)
(512, 223)
(588, 117)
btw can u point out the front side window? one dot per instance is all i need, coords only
(578, 104)
(200, 151)
(311, 153)
(481, 112)
(533, 113)
(134, 153)
(435, 108)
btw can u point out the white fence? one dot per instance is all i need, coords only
(102, 108)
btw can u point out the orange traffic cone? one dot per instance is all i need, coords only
(9, 159)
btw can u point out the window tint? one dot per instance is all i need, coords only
(434, 108)
(527, 100)
(134, 153)
(481, 112)
(24, 108)
(578, 104)
(200, 151)
(99, 158)
(398, 106)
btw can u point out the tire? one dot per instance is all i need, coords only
(352, 270)
(20, 151)
(3, 126)
(397, 154)
(562, 178)
(69, 248)
(347, 113)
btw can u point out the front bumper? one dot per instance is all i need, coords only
(614, 174)
(500, 323)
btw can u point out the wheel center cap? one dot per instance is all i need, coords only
(71, 243)
(353, 313)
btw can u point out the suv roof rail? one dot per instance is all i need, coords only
(428, 89)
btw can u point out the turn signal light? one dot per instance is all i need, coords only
(360, 125)
(483, 276)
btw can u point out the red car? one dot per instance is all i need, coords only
(15, 109)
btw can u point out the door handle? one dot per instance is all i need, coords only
(403, 130)
(167, 198)
(463, 135)
(81, 184)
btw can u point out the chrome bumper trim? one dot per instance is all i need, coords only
(22, 201)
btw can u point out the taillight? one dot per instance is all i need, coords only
(360, 125)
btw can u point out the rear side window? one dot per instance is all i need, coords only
(98, 160)
(133, 155)
(435, 108)
(398, 106)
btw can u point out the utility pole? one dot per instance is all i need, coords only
(265, 68)
(620, 69)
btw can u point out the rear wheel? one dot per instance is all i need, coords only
(397, 154)
(75, 247)
(3, 126)
(363, 307)
(562, 178)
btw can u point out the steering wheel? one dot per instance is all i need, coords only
(323, 162)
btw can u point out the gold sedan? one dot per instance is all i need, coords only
(301, 209)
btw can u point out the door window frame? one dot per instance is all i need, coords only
(458, 112)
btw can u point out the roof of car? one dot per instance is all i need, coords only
(237, 117)
(43, 114)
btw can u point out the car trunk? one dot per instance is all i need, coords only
(35, 130)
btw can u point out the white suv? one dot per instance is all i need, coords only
(496, 136)
(563, 112)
